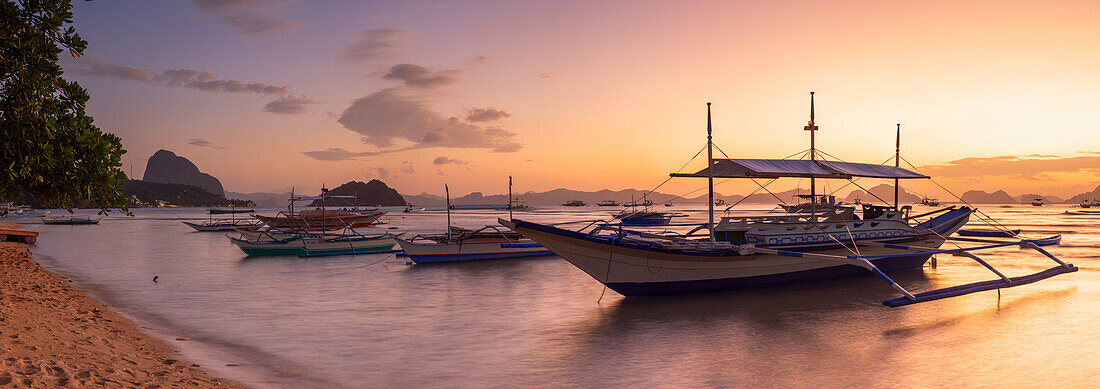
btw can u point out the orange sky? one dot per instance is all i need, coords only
(600, 95)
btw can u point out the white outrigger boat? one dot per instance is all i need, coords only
(742, 252)
(226, 224)
(460, 245)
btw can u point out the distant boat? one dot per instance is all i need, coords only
(574, 203)
(930, 201)
(1086, 204)
(1038, 202)
(224, 224)
(73, 220)
(608, 203)
(668, 204)
(409, 208)
(320, 219)
(818, 203)
(720, 202)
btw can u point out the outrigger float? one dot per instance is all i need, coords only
(743, 252)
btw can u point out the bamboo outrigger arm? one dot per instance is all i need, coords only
(938, 294)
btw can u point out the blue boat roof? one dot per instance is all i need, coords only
(777, 168)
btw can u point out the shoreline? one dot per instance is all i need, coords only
(54, 335)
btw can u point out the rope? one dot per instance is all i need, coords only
(981, 215)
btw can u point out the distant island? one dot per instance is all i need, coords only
(373, 192)
(172, 180)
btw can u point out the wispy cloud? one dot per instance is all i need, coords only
(486, 115)
(1032, 167)
(199, 142)
(251, 17)
(418, 76)
(289, 105)
(447, 161)
(190, 78)
(381, 44)
(334, 154)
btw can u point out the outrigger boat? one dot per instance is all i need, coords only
(742, 252)
(608, 203)
(320, 219)
(459, 244)
(223, 224)
(70, 220)
(930, 201)
(349, 242)
(818, 203)
(574, 203)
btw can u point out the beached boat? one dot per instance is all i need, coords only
(309, 244)
(742, 252)
(573, 203)
(226, 224)
(608, 203)
(72, 220)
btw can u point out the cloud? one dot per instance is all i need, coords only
(407, 167)
(334, 154)
(199, 142)
(380, 172)
(418, 76)
(445, 161)
(1027, 167)
(545, 75)
(486, 115)
(251, 17)
(390, 114)
(106, 70)
(289, 105)
(186, 77)
(379, 44)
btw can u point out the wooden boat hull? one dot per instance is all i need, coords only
(314, 246)
(639, 270)
(70, 222)
(477, 249)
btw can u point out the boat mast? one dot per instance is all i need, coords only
(448, 193)
(509, 197)
(812, 128)
(710, 177)
(897, 156)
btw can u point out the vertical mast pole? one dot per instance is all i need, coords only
(812, 128)
(448, 194)
(509, 197)
(710, 177)
(897, 157)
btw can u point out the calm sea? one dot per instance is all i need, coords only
(376, 321)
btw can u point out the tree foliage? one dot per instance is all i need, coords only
(49, 147)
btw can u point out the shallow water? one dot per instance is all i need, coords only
(374, 321)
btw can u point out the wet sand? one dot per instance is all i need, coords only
(52, 335)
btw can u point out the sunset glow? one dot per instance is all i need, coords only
(991, 95)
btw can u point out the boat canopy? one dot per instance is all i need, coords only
(777, 168)
(228, 211)
(307, 198)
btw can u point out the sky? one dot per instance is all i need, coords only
(269, 94)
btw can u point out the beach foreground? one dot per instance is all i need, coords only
(53, 335)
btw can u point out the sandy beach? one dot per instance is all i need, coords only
(52, 335)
